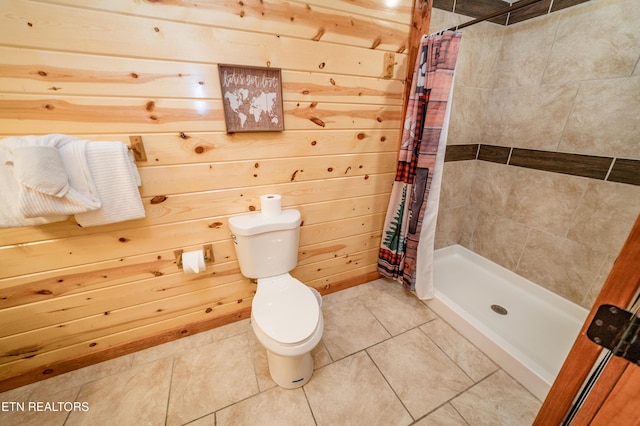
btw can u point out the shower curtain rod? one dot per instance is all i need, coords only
(514, 6)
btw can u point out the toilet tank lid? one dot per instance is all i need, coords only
(257, 223)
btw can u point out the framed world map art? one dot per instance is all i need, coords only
(252, 98)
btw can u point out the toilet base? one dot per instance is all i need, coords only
(290, 372)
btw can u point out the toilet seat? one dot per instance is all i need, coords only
(285, 309)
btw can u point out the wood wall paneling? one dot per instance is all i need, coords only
(107, 70)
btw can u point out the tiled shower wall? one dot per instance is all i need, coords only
(567, 82)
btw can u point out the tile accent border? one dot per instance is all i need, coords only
(495, 154)
(610, 169)
(461, 152)
(560, 162)
(625, 171)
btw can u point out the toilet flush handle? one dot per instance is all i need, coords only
(234, 238)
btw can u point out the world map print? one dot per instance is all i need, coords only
(257, 105)
(252, 98)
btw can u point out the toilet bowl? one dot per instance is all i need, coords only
(287, 320)
(285, 314)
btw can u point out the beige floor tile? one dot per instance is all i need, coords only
(230, 330)
(350, 327)
(363, 376)
(63, 388)
(396, 308)
(352, 391)
(172, 348)
(135, 396)
(342, 295)
(209, 420)
(276, 406)
(74, 379)
(469, 358)
(260, 363)
(210, 378)
(421, 374)
(320, 356)
(443, 416)
(497, 400)
(22, 414)
(21, 393)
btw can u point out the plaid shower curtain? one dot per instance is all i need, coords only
(424, 119)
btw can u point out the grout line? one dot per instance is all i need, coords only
(613, 162)
(441, 349)
(166, 410)
(252, 353)
(635, 67)
(579, 207)
(306, 397)
(66, 419)
(524, 247)
(569, 114)
(474, 383)
(387, 382)
(546, 61)
(596, 278)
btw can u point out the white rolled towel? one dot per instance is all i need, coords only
(32, 180)
(116, 178)
(55, 181)
(40, 168)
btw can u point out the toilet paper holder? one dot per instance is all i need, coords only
(208, 255)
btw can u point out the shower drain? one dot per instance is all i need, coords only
(499, 310)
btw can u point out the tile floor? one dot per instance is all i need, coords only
(385, 359)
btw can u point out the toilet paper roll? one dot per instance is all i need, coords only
(193, 262)
(271, 205)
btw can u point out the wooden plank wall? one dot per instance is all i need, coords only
(110, 69)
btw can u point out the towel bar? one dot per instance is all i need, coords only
(138, 148)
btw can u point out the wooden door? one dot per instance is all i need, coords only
(613, 399)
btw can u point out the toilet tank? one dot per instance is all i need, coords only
(266, 245)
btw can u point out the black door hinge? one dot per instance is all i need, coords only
(617, 330)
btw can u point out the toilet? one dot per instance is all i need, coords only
(286, 315)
